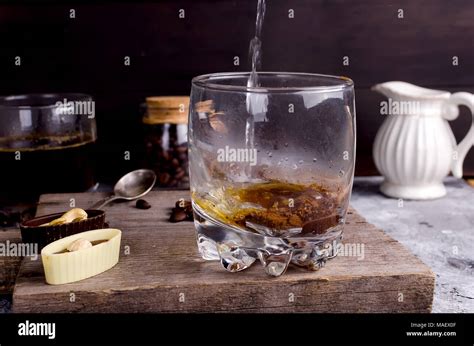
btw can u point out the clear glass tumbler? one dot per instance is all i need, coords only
(271, 167)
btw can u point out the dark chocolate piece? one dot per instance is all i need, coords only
(33, 232)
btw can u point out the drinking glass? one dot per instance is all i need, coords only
(271, 167)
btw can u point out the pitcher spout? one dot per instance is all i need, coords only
(405, 91)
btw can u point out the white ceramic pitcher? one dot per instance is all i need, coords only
(415, 148)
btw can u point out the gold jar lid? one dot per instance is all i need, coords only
(166, 110)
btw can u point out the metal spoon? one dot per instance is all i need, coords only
(131, 186)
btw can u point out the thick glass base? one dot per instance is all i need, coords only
(238, 249)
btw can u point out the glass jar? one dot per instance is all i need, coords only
(166, 135)
(47, 144)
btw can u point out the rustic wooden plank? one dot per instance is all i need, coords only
(164, 273)
(9, 265)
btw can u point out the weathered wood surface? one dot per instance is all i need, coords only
(164, 273)
(9, 265)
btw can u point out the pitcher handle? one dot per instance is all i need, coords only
(461, 99)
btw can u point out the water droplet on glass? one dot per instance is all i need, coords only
(295, 166)
(270, 154)
(315, 159)
(341, 173)
(286, 159)
(300, 162)
(286, 144)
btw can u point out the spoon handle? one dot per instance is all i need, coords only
(100, 204)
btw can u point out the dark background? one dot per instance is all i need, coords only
(86, 54)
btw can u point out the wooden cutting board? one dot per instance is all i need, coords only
(160, 270)
(9, 265)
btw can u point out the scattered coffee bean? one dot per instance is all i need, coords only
(178, 215)
(182, 211)
(142, 204)
(182, 203)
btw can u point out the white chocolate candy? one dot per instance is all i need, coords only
(62, 267)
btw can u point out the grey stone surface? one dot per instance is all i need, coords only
(440, 232)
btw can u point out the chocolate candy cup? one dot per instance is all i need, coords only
(31, 232)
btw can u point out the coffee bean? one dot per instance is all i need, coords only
(182, 203)
(189, 213)
(164, 178)
(179, 175)
(178, 215)
(142, 204)
(182, 211)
